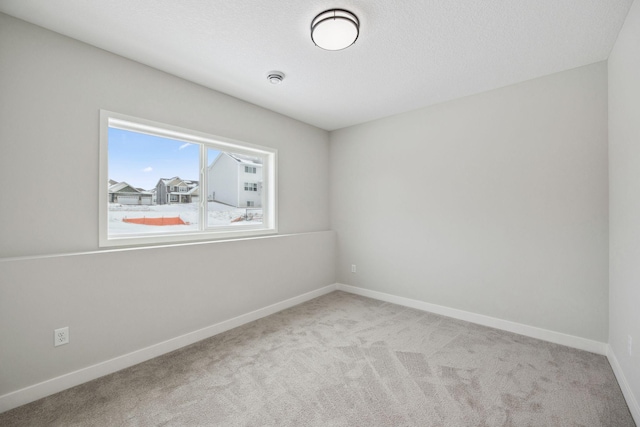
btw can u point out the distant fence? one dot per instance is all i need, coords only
(156, 221)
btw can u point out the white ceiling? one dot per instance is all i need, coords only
(410, 53)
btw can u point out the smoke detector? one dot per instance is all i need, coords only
(275, 77)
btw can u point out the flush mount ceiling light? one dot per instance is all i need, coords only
(275, 77)
(335, 29)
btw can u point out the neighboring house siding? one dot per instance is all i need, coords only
(250, 196)
(195, 194)
(161, 193)
(227, 176)
(223, 180)
(176, 190)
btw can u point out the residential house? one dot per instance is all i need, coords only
(235, 180)
(125, 194)
(176, 190)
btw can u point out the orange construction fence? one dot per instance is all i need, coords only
(176, 220)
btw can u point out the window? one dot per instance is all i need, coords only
(250, 186)
(187, 184)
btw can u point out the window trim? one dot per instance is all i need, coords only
(269, 224)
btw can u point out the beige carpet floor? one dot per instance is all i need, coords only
(346, 360)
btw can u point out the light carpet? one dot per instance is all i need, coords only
(347, 360)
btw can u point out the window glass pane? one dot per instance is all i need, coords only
(163, 184)
(153, 184)
(232, 199)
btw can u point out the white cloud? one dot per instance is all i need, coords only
(183, 146)
(147, 169)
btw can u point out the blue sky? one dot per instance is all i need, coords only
(141, 159)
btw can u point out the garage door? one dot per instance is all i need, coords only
(128, 200)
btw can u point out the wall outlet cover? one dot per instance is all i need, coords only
(61, 336)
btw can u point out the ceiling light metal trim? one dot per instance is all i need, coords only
(335, 29)
(275, 77)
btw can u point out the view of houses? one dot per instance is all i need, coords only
(125, 194)
(235, 180)
(176, 190)
(167, 191)
(232, 179)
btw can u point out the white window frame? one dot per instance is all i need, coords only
(204, 141)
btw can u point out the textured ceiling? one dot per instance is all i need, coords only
(410, 53)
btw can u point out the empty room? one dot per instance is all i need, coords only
(312, 213)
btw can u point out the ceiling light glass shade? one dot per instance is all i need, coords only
(335, 29)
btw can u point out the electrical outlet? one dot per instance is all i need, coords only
(61, 336)
(630, 344)
(353, 268)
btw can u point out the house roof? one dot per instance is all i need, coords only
(254, 161)
(240, 158)
(115, 188)
(177, 181)
(124, 187)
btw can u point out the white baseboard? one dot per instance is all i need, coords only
(505, 325)
(632, 402)
(37, 391)
(63, 382)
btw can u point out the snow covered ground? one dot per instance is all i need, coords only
(217, 215)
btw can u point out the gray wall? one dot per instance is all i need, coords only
(117, 302)
(52, 90)
(624, 189)
(496, 204)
